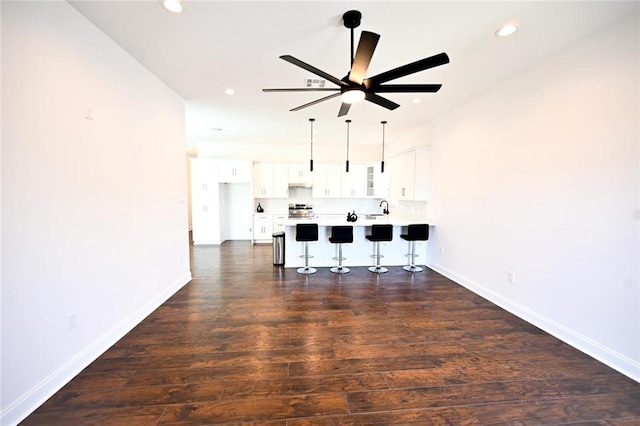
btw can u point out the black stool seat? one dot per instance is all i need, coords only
(415, 232)
(341, 235)
(379, 233)
(306, 232)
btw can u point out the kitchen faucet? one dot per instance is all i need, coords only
(386, 209)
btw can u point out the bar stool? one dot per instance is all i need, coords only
(379, 233)
(306, 232)
(416, 232)
(340, 235)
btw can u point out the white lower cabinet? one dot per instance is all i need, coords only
(279, 222)
(262, 227)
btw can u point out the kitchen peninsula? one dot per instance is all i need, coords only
(357, 253)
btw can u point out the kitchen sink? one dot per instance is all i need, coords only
(373, 216)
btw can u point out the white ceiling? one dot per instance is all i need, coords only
(214, 45)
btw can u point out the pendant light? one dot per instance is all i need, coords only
(311, 120)
(348, 122)
(382, 161)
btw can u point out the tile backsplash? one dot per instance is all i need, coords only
(411, 209)
(321, 205)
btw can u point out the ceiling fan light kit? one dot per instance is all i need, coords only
(355, 87)
(352, 95)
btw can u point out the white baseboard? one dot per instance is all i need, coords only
(613, 359)
(20, 409)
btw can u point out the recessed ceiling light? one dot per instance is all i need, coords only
(506, 30)
(172, 5)
(416, 100)
(230, 91)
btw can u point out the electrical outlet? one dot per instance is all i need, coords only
(72, 321)
(88, 112)
(441, 250)
(511, 277)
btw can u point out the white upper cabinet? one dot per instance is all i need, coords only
(377, 182)
(408, 174)
(280, 180)
(300, 174)
(270, 180)
(234, 171)
(354, 182)
(327, 182)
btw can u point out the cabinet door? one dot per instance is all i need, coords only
(279, 222)
(299, 174)
(280, 180)
(409, 175)
(401, 173)
(262, 180)
(421, 176)
(354, 182)
(231, 171)
(270, 180)
(205, 200)
(380, 182)
(262, 227)
(377, 182)
(327, 181)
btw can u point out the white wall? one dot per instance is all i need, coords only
(94, 214)
(540, 176)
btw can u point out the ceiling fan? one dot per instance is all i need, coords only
(354, 87)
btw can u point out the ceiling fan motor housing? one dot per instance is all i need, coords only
(352, 19)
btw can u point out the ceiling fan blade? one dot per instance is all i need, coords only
(317, 101)
(408, 88)
(421, 65)
(304, 89)
(313, 70)
(366, 47)
(379, 100)
(344, 109)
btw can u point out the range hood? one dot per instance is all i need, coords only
(299, 184)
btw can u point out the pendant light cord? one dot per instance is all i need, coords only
(311, 120)
(382, 161)
(347, 164)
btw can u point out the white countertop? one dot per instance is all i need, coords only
(335, 220)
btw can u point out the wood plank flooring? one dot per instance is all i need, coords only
(247, 343)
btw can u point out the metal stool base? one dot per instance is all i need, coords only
(306, 271)
(378, 269)
(412, 268)
(340, 270)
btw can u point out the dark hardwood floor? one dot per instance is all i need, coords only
(245, 342)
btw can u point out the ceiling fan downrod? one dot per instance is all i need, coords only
(352, 20)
